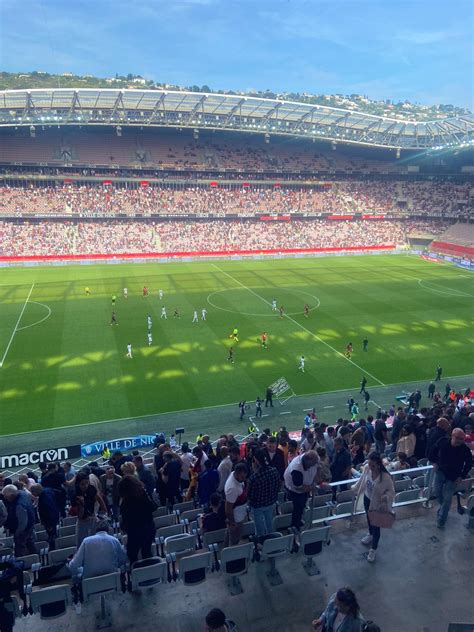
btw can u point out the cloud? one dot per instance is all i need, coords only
(423, 38)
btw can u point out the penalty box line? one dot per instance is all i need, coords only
(16, 326)
(300, 326)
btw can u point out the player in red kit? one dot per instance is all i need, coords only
(145, 291)
(264, 339)
(349, 350)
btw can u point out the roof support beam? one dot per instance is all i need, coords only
(159, 104)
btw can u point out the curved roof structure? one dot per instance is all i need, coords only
(162, 108)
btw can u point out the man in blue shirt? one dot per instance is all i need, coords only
(98, 554)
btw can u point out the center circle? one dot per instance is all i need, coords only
(263, 300)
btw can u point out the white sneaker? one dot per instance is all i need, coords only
(371, 555)
(367, 539)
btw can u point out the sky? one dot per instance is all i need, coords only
(416, 50)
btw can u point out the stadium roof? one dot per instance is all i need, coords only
(180, 109)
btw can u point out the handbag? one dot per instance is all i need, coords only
(382, 519)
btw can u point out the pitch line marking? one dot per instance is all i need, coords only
(459, 293)
(233, 311)
(38, 322)
(187, 410)
(16, 326)
(301, 326)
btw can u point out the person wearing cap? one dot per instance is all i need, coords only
(99, 554)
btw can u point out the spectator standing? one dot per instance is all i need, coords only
(215, 518)
(300, 478)
(235, 503)
(341, 465)
(269, 397)
(381, 433)
(83, 506)
(21, 519)
(49, 506)
(453, 461)
(136, 509)
(225, 467)
(377, 486)
(397, 425)
(208, 482)
(342, 614)
(99, 554)
(262, 494)
(171, 474)
(275, 456)
(407, 441)
(55, 477)
(109, 483)
(145, 475)
(187, 461)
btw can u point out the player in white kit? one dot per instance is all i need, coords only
(274, 305)
(149, 322)
(163, 313)
(129, 351)
(195, 317)
(203, 313)
(150, 339)
(160, 294)
(301, 366)
(125, 292)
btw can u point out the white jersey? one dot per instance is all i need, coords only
(129, 351)
(301, 366)
(195, 317)
(274, 306)
(160, 294)
(149, 322)
(150, 338)
(125, 292)
(203, 313)
(163, 313)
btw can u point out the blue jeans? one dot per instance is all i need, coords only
(263, 518)
(444, 490)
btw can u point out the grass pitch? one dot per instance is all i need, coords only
(64, 364)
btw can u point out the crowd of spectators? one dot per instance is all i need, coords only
(230, 480)
(338, 197)
(119, 236)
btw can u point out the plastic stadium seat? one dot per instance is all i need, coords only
(179, 545)
(184, 506)
(148, 573)
(311, 542)
(190, 515)
(61, 555)
(29, 561)
(234, 562)
(65, 541)
(100, 587)
(248, 528)
(67, 530)
(344, 509)
(161, 511)
(213, 537)
(319, 514)
(286, 507)
(166, 532)
(408, 497)
(193, 569)
(276, 545)
(281, 523)
(419, 481)
(70, 520)
(164, 521)
(51, 602)
(320, 501)
(345, 496)
(403, 485)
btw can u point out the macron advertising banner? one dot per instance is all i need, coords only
(31, 459)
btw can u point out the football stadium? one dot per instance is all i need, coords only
(234, 330)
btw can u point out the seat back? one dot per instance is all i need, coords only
(70, 520)
(320, 501)
(93, 586)
(402, 485)
(185, 506)
(465, 485)
(166, 532)
(67, 530)
(312, 540)
(213, 537)
(235, 559)
(344, 508)
(154, 572)
(161, 511)
(408, 496)
(286, 507)
(193, 568)
(51, 602)
(318, 513)
(278, 546)
(344, 497)
(65, 541)
(61, 555)
(181, 544)
(164, 521)
(422, 462)
(419, 481)
(42, 547)
(29, 560)
(282, 522)
(41, 536)
(191, 514)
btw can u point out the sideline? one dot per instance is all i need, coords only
(16, 326)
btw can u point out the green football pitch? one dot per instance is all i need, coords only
(62, 363)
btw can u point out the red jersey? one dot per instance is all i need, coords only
(145, 291)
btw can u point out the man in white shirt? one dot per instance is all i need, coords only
(98, 554)
(300, 477)
(235, 504)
